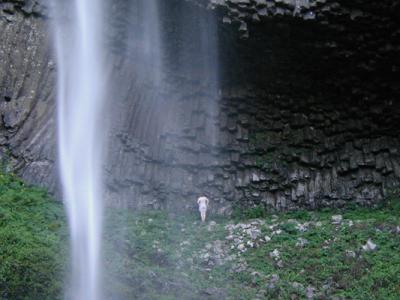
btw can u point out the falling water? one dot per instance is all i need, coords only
(143, 49)
(80, 130)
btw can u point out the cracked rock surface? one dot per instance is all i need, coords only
(307, 113)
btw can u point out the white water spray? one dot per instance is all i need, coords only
(80, 131)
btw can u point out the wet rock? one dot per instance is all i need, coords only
(323, 158)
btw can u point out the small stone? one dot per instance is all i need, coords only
(277, 232)
(318, 224)
(301, 242)
(255, 178)
(327, 286)
(274, 278)
(226, 20)
(297, 286)
(255, 274)
(211, 225)
(184, 243)
(301, 227)
(275, 254)
(292, 221)
(369, 246)
(337, 219)
(241, 247)
(254, 234)
(350, 254)
(267, 238)
(310, 292)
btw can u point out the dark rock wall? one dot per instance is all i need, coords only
(26, 93)
(302, 113)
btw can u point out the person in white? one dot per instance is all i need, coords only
(203, 205)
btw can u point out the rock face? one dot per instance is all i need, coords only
(306, 109)
(26, 93)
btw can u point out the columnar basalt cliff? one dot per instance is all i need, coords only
(307, 116)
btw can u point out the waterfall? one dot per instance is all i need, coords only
(80, 101)
(152, 54)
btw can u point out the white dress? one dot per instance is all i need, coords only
(202, 201)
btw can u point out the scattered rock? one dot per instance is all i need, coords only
(337, 219)
(254, 233)
(275, 254)
(273, 280)
(277, 232)
(216, 293)
(318, 224)
(211, 225)
(279, 264)
(302, 227)
(297, 286)
(350, 254)
(241, 247)
(369, 246)
(310, 292)
(301, 242)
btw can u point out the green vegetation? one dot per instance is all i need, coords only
(154, 255)
(249, 213)
(179, 258)
(32, 242)
(332, 260)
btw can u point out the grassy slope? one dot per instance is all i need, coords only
(31, 243)
(155, 256)
(165, 258)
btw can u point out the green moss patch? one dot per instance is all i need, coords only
(32, 242)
